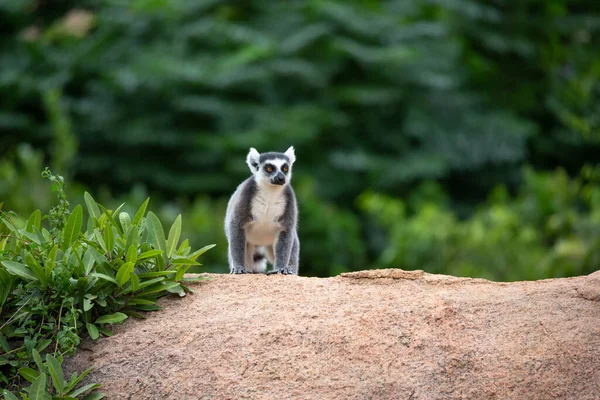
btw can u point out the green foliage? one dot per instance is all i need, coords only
(377, 95)
(377, 89)
(58, 283)
(48, 381)
(550, 229)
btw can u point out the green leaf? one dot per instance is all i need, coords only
(56, 373)
(181, 270)
(148, 307)
(43, 344)
(35, 220)
(19, 269)
(7, 283)
(39, 235)
(109, 238)
(37, 269)
(133, 238)
(203, 250)
(84, 389)
(10, 226)
(8, 395)
(28, 373)
(149, 254)
(105, 277)
(76, 379)
(135, 282)
(37, 390)
(141, 211)
(111, 318)
(184, 261)
(134, 314)
(105, 331)
(110, 218)
(31, 236)
(46, 234)
(38, 360)
(184, 245)
(156, 234)
(158, 287)
(91, 224)
(50, 261)
(72, 228)
(138, 301)
(94, 396)
(100, 240)
(195, 279)
(132, 254)
(125, 221)
(151, 281)
(4, 343)
(88, 260)
(92, 206)
(174, 234)
(117, 211)
(87, 304)
(124, 273)
(177, 289)
(155, 274)
(137, 285)
(92, 330)
(98, 258)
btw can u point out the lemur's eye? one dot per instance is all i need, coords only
(269, 169)
(285, 169)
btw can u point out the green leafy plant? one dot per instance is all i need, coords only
(551, 228)
(58, 283)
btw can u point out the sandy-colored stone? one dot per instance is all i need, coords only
(386, 334)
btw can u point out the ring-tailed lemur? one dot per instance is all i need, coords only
(262, 217)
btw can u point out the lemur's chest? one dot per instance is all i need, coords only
(267, 207)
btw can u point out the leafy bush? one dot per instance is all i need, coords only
(550, 229)
(377, 90)
(59, 283)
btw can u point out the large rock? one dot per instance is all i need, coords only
(382, 334)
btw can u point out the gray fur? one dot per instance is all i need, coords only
(262, 217)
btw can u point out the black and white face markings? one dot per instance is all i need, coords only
(276, 170)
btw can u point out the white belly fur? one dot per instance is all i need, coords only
(267, 207)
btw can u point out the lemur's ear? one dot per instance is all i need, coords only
(291, 154)
(253, 159)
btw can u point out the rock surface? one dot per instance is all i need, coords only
(382, 334)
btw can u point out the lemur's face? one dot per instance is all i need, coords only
(271, 168)
(276, 171)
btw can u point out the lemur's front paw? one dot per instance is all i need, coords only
(284, 271)
(238, 270)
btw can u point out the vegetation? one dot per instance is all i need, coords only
(550, 229)
(458, 137)
(59, 283)
(432, 108)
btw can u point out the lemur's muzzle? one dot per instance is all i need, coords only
(279, 179)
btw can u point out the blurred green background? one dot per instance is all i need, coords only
(458, 137)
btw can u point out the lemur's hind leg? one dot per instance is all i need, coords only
(295, 255)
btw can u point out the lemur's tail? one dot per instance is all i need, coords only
(259, 261)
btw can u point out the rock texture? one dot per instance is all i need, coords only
(382, 334)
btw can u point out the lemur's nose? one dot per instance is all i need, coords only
(279, 179)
